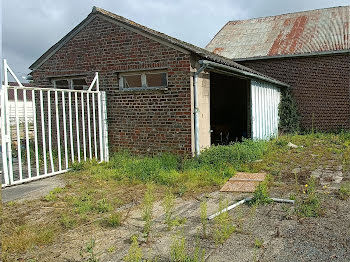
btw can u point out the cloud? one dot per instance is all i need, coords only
(31, 27)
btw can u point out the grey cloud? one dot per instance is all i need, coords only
(30, 27)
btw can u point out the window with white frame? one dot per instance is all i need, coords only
(143, 80)
(74, 83)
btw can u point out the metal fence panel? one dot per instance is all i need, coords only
(38, 143)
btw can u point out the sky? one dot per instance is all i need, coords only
(30, 27)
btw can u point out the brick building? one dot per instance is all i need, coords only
(163, 94)
(309, 50)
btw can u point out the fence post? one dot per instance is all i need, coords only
(4, 137)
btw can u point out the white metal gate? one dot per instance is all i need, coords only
(63, 126)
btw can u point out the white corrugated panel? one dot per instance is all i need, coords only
(265, 99)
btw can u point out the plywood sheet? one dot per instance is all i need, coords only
(243, 182)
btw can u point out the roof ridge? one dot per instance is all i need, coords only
(289, 13)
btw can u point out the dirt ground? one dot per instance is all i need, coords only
(284, 237)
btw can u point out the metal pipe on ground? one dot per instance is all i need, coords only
(278, 200)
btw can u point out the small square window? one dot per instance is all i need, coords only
(151, 80)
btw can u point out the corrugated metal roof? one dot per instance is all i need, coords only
(288, 34)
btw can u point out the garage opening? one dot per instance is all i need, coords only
(229, 108)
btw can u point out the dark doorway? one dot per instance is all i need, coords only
(229, 108)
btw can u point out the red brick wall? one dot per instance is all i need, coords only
(320, 84)
(142, 122)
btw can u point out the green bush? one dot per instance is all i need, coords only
(288, 113)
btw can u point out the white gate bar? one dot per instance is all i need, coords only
(100, 125)
(64, 129)
(77, 125)
(83, 124)
(94, 122)
(19, 151)
(35, 135)
(95, 80)
(43, 130)
(58, 132)
(71, 126)
(49, 129)
(89, 126)
(105, 126)
(3, 131)
(27, 132)
(29, 88)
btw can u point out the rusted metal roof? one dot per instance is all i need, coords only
(288, 34)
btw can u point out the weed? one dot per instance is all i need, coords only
(111, 249)
(178, 250)
(223, 227)
(103, 206)
(344, 191)
(261, 194)
(135, 252)
(67, 221)
(309, 206)
(169, 205)
(258, 243)
(113, 220)
(89, 250)
(147, 210)
(52, 196)
(204, 215)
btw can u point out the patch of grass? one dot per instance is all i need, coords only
(67, 221)
(168, 206)
(147, 210)
(113, 220)
(344, 191)
(223, 227)
(135, 252)
(310, 204)
(258, 243)
(24, 237)
(52, 196)
(103, 206)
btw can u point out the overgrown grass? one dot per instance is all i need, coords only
(94, 191)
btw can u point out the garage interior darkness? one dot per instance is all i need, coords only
(229, 108)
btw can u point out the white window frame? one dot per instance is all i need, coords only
(143, 80)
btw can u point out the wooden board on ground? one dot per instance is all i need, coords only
(243, 182)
